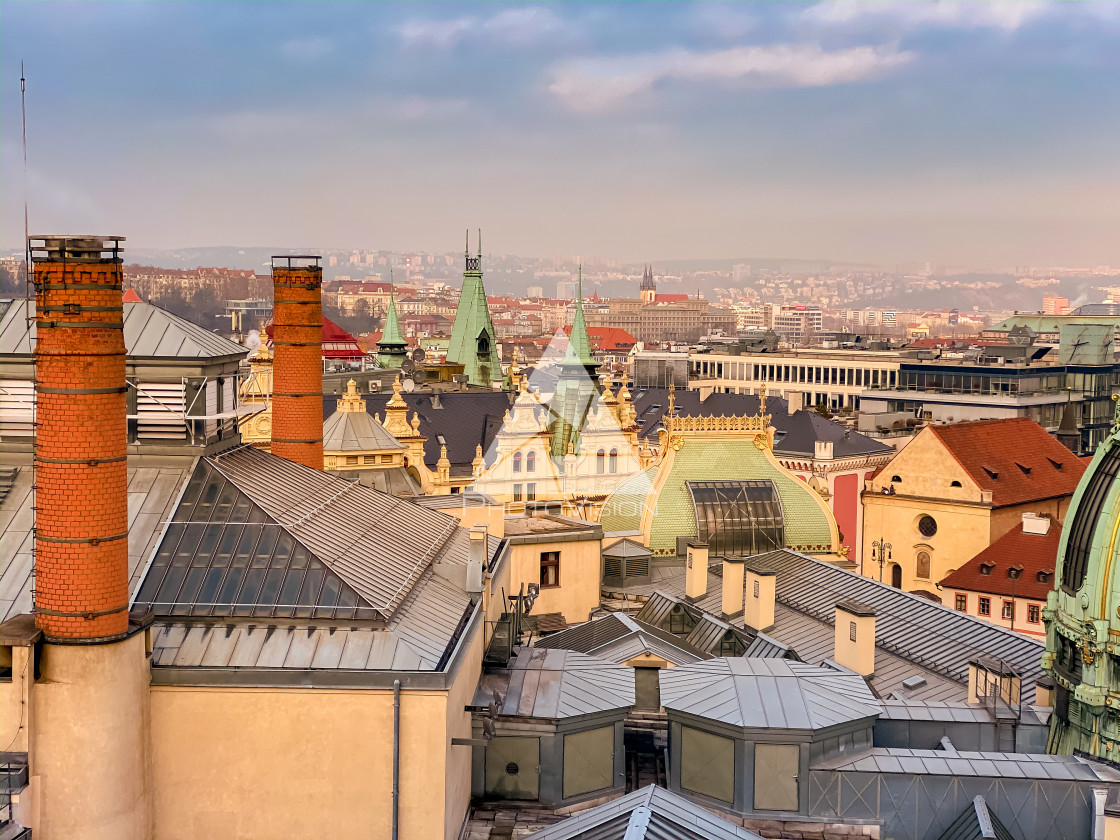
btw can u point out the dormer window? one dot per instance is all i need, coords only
(992, 474)
(986, 568)
(1044, 575)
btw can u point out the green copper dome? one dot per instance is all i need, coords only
(1083, 614)
(664, 490)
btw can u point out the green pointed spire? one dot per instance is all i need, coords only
(392, 348)
(473, 342)
(579, 342)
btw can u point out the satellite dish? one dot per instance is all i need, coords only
(418, 354)
(408, 366)
(409, 386)
(419, 376)
(253, 340)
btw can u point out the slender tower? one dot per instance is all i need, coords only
(473, 343)
(88, 739)
(297, 365)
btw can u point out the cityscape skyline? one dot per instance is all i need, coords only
(943, 132)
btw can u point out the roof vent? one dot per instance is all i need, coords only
(1026, 470)
(992, 474)
(911, 683)
(1055, 464)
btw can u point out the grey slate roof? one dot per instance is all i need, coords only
(795, 434)
(914, 636)
(652, 813)
(556, 684)
(982, 764)
(767, 693)
(357, 431)
(149, 332)
(619, 638)
(152, 492)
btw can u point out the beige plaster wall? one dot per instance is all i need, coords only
(15, 699)
(89, 749)
(962, 532)
(457, 793)
(265, 763)
(580, 576)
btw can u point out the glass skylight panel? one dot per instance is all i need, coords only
(738, 517)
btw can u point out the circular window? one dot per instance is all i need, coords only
(927, 525)
(512, 769)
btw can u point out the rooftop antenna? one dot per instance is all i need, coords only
(26, 225)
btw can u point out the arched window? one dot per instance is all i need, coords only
(612, 461)
(896, 478)
(517, 462)
(600, 462)
(922, 565)
(531, 462)
(954, 483)
(483, 344)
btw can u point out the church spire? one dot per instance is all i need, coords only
(392, 348)
(579, 342)
(473, 342)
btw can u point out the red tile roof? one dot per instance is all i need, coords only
(608, 338)
(130, 296)
(1017, 459)
(1034, 552)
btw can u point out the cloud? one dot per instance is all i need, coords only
(596, 84)
(515, 27)
(1007, 15)
(721, 20)
(306, 49)
(439, 34)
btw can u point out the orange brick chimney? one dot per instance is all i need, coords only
(297, 363)
(81, 496)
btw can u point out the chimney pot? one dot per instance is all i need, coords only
(297, 366)
(476, 559)
(734, 572)
(696, 571)
(854, 640)
(81, 554)
(758, 610)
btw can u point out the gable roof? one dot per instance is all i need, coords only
(977, 822)
(149, 332)
(619, 638)
(651, 812)
(1034, 553)
(1016, 459)
(375, 547)
(768, 693)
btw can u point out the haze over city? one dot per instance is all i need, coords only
(978, 134)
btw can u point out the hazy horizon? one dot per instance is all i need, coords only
(981, 134)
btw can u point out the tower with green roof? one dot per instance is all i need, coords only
(392, 349)
(576, 386)
(473, 343)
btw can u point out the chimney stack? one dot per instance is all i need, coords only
(297, 366)
(795, 401)
(696, 571)
(81, 496)
(854, 645)
(758, 612)
(734, 569)
(476, 559)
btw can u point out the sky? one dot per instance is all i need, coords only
(974, 133)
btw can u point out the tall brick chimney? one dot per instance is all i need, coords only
(81, 495)
(297, 365)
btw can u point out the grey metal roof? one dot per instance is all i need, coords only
(767, 693)
(357, 431)
(763, 646)
(626, 548)
(652, 812)
(556, 684)
(619, 638)
(149, 332)
(415, 640)
(377, 543)
(152, 492)
(983, 764)
(913, 635)
(977, 822)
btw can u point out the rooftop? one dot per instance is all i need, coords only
(519, 526)
(1016, 459)
(768, 693)
(1033, 554)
